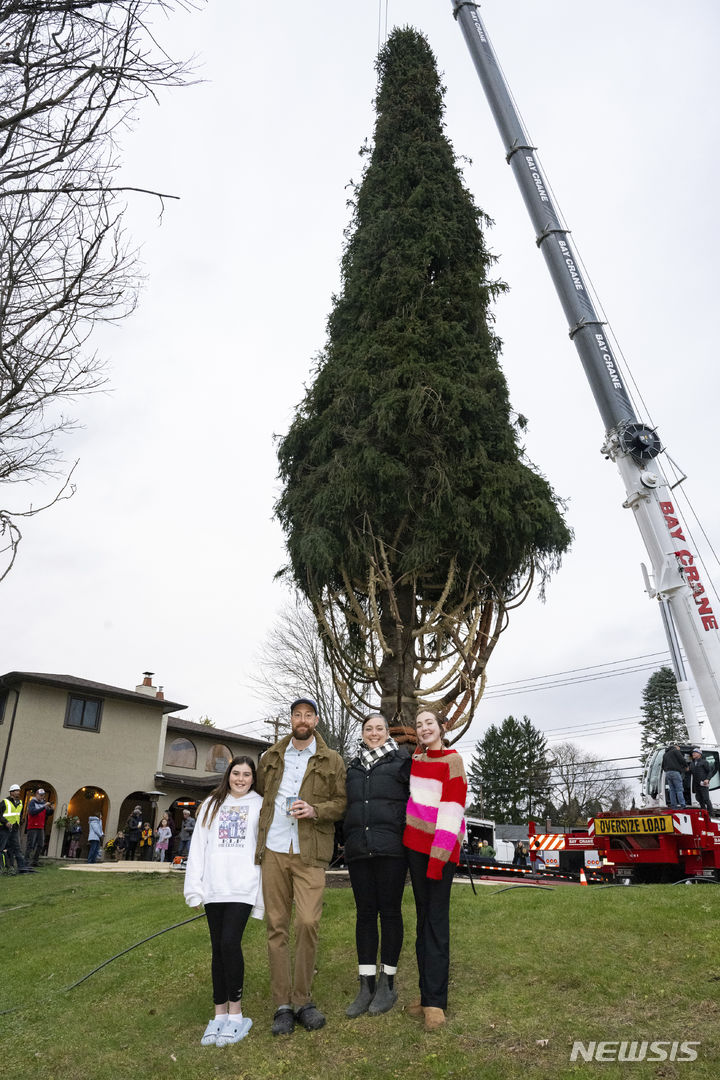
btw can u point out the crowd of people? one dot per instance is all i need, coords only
(137, 840)
(265, 838)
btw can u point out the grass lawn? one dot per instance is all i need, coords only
(532, 971)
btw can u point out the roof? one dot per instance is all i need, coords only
(175, 723)
(197, 783)
(511, 832)
(88, 686)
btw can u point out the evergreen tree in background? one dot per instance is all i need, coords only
(412, 519)
(509, 775)
(663, 722)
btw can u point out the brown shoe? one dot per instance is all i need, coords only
(416, 1009)
(434, 1018)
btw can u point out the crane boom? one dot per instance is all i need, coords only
(676, 573)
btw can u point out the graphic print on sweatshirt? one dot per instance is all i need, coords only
(233, 826)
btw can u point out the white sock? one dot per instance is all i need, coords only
(367, 969)
(389, 970)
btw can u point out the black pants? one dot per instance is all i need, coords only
(378, 885)
(227, 924)
(34, 844)
(702, 794)
(10, 845)
(432, 945)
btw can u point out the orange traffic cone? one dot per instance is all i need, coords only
(583, 879)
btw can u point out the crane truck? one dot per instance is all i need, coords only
(655, 842)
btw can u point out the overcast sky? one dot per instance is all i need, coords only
(165, 557)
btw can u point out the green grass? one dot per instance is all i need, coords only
(528, 966)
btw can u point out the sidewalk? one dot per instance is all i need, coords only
(119, 867)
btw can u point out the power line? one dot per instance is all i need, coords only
(589, 667)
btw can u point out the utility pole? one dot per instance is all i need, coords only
(275, 723)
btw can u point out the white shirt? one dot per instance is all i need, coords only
(283, 832)
(221, 862)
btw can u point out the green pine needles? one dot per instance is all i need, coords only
(411, 517)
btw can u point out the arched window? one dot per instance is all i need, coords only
(181, 754)
(218, 759)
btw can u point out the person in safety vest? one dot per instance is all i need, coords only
(10, 813)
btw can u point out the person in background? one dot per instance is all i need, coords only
(221, 874)
(377, 793)
(701, 772)
(675, 766)
(74, 830)
(119, 845)
(132, 834)
(10, 814)
(145, 845)
(520, 857)
(95, 835)
(433, 836)
(39, 809)
(163, 834)
(302, 782)
(186, 832)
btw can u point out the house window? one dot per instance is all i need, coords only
(83, 713)
(218, 759)
(181, 754)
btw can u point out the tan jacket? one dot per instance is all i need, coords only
(323, 787)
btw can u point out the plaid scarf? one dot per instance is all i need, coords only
(368, 757)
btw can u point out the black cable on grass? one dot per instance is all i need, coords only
(65, 989)
(695, 881)
(508, 888)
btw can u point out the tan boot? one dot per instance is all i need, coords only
(416, 1009)
(434, 1018)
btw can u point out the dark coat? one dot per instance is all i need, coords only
(701, 770)
(674, 760)
(134, 827)
(377, 801)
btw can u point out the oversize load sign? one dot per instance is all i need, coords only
(644, 825)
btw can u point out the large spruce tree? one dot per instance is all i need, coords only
(509, 775)
(412, 518)
(663, 723)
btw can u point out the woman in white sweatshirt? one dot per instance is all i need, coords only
(221, 874)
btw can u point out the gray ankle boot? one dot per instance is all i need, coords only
(385, 995)
(364, 996)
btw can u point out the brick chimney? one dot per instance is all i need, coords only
(146, 686)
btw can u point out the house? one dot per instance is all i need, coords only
(101, 749)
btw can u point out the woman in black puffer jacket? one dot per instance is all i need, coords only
(377, 794)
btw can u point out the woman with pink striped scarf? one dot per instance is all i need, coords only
(433, 834)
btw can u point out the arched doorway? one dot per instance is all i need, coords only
(87, 802)
(27, 791)
(175, 817)
(136, 798)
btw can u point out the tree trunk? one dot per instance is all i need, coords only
(396, 674)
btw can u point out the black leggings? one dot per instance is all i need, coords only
(227, 923)
(378, 887)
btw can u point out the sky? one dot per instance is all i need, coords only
(165, 558)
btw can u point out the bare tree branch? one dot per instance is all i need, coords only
(72, 74)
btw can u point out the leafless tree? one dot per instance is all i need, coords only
(291, 663)
(72, 74)
(582, 785)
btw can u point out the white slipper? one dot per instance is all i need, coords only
(234, 1031)
(215, 1026)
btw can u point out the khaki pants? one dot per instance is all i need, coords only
(286, 878)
